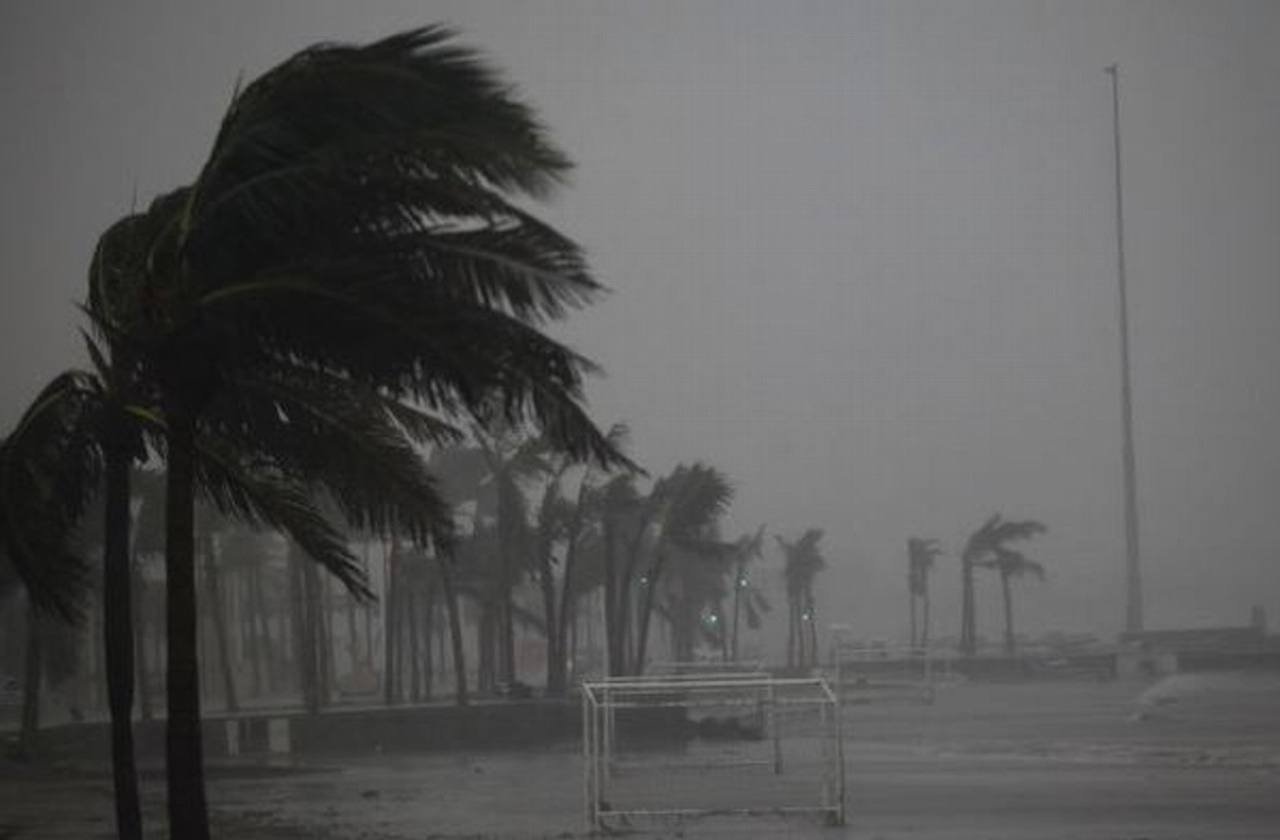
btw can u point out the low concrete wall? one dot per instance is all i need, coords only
(482, 725)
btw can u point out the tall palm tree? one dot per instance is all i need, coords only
(580, 522)
(50, 466)
(691, 501)
(1012, 564)
(352, 221)
(803, 561)
(921, 556)
(982, 546)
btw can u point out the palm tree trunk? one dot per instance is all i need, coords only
(455, 630)
(184, 749)
(266, 645)
(304, 630)
(428, 633)
(252, 601)
(33, 671)
(216, 608)
(411, 623)
(642, 637)
(968, 624)
(1007, 592)
(119, 641)
(318, 600)
(791, 631)
(612, 632)
(924, 618)
(737, 609)
(812, 612)
(140, 623)
(911, 601)
(353, 641)
(390, 629)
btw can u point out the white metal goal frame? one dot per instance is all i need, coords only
(868, 672)
(768, 698)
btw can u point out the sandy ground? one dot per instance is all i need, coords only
(1189, 757)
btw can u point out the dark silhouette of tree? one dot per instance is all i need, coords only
(689, 503)
(747, 597)
(803, 561)
(982, 546)
(1012, 564)
(921, 556)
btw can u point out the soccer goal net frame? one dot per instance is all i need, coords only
(868, 673)
(758, 695)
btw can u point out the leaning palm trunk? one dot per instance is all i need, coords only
(924, 618)
(184, 748)
(140, 639)
(737, 605)
(117, 632)
(390, 628)
(1007, 592)
(216, 608)
(555, 662)
(646, 610)
(32, 672)
(968, 623)
(911, 601)
(411, 623)
(455, 629)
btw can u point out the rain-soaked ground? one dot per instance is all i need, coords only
(1191, 756)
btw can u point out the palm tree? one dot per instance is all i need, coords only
(803, 561)
(50, 466)
(921, 555)
(352, 223)
(983, 545)
(747, 597)
(690, 502)
(1012, 564)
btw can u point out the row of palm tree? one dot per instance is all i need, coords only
(346, 279)
(988, 547)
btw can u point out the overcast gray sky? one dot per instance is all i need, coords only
(862, 254)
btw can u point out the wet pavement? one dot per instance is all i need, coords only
(1043, 761)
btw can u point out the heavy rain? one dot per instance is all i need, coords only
(588, 418)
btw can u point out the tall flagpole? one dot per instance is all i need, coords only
(1133, 566)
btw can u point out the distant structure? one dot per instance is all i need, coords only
(1202, 648)
(1133, 566)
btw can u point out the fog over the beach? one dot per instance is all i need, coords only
(862, 256)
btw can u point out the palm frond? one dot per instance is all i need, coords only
(322, 432)
(261, 498)
(50, 469)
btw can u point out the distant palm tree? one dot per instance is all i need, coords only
(921, 556)
(1012, 564)
(803, 561)
(690, 502)
(747, 596)
(980, 549)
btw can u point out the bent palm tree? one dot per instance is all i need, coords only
(691, 500)
(921, 556)
(803, 562)
(983, 544)
(353, 224)
(1012, 564)
(747, 597)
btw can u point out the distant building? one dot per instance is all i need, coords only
(1164, 651)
